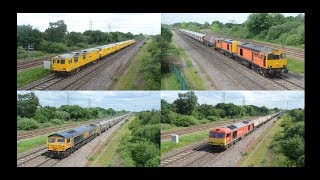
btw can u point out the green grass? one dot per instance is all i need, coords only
(107, 154)
(170, 81)
(132, 79)
(295, 65)
(184, 140)
(257, 156)
(191, 76)
(30, 75)
(30, 143)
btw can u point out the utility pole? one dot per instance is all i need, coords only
(90, 25)
(223, 97)
(109, 27)
(89, 102)
(68, 99)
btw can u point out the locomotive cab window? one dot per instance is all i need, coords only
(58, 61)
(62, 61)
(60, 140)
(52, 140)
(227, 46)
(272, 56)
(76, 59)
(69, 61)
(220, 135)
(53, 61)
(228, 135)
(68, 140)
(84, 56)
(282, 56)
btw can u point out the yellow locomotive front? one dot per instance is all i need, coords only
(58, 144)
(62, 63)
(276, 62)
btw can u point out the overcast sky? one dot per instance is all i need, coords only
(146, 23)
(170, 18)
(270, 99)
(117, 100)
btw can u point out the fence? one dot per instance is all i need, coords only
(182, 82)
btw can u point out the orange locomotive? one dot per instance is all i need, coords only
(226, 136)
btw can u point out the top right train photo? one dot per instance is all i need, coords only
(233, 51)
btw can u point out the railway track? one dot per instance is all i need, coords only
(202, 127)
(29, 134)
(76, 80)
(246, 78)
(292, 52)
(48, 162)
(28, 64)
(287, 83)
(30, 155)
(185, 153)
(93, 72)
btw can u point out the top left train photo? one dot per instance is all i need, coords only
(88, 51)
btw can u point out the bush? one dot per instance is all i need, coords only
(57, 121)
(46, 124)
(62, 115)
(294, 39)
(213, 118)
(144, 151)
(53, 47)
(81, 45)
(184, 120)
(148, 132)
(27, 124)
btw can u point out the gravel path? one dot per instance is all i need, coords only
(205, 157)
(79, 157)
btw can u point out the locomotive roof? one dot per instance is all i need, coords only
(226, 40)
(238, 125)
(254, 47)
(65, 56)
(89, 50)
(73, 132)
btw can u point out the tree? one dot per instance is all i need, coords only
(186, 103)
(206, 25)
(56, 31)
(74, 38)
(257, 22)
(27, 35)
(27, 105)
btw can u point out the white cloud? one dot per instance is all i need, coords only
(148, 23)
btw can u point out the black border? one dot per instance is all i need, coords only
(166, 6)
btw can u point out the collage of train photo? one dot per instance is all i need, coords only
(160, 90)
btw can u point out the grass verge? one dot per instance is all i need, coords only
(295, 65)
(130, 79)
(257, 155)
(30, 143)
(107, 155)
(191, 76)
(170, 81)
(184, 140)
(30, 75)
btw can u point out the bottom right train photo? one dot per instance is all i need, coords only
(232, 129)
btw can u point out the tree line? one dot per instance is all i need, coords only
(287, 147)
(186, 111)
(142, 147)
(30, 115)
(270, 27)
(57, 39)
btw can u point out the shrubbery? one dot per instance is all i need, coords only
(288, 145)
(142, 148)
(27, 124)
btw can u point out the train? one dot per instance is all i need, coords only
(223, 137)
(69, 63)
(61, 144)
(265, 60)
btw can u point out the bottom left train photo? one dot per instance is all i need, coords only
(88, 128)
